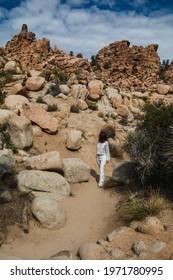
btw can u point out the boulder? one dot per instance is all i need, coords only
(47, 161)
(7, 158)
(20, 130)
(35, 83)
(74, 139)
(5, 116)
(15, 102)
(95, 88)
(90, 251)
(48, 212)
(76, 170)
(39, 116)
(43, 184)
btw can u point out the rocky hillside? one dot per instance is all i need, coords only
(52, 107)
(119, 64)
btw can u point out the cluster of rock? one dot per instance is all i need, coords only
(119, 64)
(38, 54)
(47, 179)
(140, 243)
(128, 67)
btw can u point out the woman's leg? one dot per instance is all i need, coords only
(102, 165)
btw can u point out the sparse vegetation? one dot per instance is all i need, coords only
(101, 114)
(52, 108)
(74, 109)
(2, 96)
(5, 77)
(40, 100)
(5, 140)
(92, 105)
(116, 151)
(63, 77)
(163, 68)
(138, 207)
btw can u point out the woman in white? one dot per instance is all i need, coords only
(103, 155)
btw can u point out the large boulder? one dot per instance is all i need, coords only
(76, 170)
(79, 91)
(20, 130)
(15, 102)
(95, 88)
(43, 184)
(13, 67)
(48, 212)
(35, 83)
(47, 161)
(125, 173)
(7, 158)
(74, 139)
(41, 117)
(5, 115)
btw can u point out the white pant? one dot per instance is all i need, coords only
(101, 161)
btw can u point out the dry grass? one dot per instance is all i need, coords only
(140, 206)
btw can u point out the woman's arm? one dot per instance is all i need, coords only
(107, 151)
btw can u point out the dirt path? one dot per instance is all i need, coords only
(90, 216)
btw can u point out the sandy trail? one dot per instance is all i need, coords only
(90, 216)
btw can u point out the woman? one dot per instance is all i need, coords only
(103, 155)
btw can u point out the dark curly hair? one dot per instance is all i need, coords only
(102, 137)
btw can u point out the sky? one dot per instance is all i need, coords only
(86, 26)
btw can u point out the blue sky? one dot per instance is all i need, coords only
(86, 26)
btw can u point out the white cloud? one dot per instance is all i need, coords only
(87, 30)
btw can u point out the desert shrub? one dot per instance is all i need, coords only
(92, 105)
(40, 100)
(101, 114)
(163, 68)
(109, 130)
(138, 207)
(106, 65)
(5, 77)
(2, 96)
(74, 109)
(46, 74)
(146, 146)
(116, 151)
(93, 60)
(110, 183)
(63, 77)
(5, 140)
(52, 108)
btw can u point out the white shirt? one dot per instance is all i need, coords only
(103, 149)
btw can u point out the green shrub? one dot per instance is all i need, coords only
(63, 77)
(92, 105)
(5, 77)
(146, 146)
(52, 108)
(116, 151)
(138, 207)
(2, 96)
(40, 100)
(5, 141)
(46, 74)
(74, 109)
(101, 114)
(110, 183)
(106, 65)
